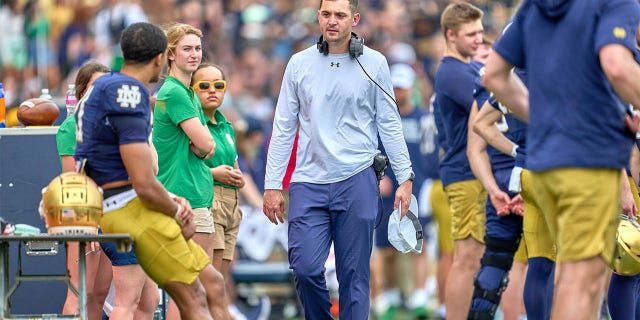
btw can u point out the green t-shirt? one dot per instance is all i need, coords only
(66, 138)
(225, 139)
(179, 170)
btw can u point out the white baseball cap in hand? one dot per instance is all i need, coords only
(406, 235)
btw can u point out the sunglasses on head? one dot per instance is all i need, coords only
(206, 85)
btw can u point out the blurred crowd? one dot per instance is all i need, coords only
(43, 42)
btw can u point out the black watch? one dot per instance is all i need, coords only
(412, 176)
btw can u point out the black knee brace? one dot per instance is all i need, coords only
(499, 254)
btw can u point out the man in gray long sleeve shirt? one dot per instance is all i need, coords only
(334, 192)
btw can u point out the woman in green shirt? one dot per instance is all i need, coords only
(210, 85)
(183, 142)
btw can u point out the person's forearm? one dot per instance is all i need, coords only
(506, 86)
(481, 167)
(155, 197)
(68, 164)
(494, 137)
(622, 70)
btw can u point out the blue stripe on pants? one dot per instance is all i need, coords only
(345, 213)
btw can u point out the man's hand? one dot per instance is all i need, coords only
(629, 205)
(500, 201)
(403, 194)
(185, 213)
(632, 122)
(188, 229)
(229, 176)
(273, 205)
(516, 206)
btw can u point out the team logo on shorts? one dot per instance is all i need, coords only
(128, 97)
(619, 33)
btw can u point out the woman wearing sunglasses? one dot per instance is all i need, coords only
(210, 85)
(183, 142)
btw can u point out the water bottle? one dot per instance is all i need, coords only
(2, 108)
(45, 94)
(70, 100)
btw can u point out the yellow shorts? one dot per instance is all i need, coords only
(521, 253)
(582, 208)
(203, 219)
(227, 217)
(442, 215)
(467, 200)
(162, 251)
(534, 228)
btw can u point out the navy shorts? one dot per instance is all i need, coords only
(117, 258)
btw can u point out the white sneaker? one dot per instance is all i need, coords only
(386, 300)
(418, 299)
(441, 312)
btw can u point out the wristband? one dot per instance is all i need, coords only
(202, 158)
(177, 215)
(514, 150)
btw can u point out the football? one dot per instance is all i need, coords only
(38, 112)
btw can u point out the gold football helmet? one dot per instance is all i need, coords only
(72, 205)
(626, 259)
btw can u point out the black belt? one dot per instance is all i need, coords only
(117, 190)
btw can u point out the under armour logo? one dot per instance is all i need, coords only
(336, 64)
(128, 97)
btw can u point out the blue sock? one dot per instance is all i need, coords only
(623, 293)
(538, 288)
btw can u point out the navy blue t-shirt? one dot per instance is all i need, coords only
(113, 112)
(454, 97)
(577, 119)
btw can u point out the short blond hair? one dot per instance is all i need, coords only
(457, 14)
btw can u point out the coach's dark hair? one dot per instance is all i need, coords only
(141, 42)
(353, 5)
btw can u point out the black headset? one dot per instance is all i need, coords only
(356, 45)
(356, 48)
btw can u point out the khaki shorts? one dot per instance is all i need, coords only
(468, 209)
(203, 220)
(534, 228)
(162, 251)
(227, 217)
(521, 253)
(582, 209)
(442, 215)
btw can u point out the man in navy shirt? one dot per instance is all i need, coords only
(462, 27)
(579, 57)
(113, 129)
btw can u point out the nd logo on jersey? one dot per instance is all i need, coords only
(128, 97)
